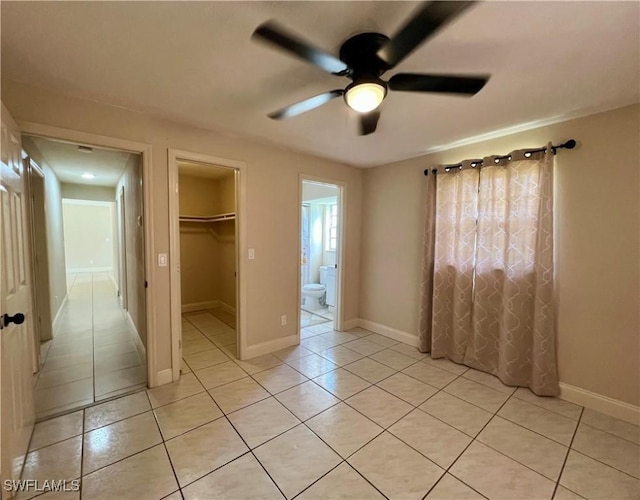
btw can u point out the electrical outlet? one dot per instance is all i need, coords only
(283, 319)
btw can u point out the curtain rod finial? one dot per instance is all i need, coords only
(570, 144)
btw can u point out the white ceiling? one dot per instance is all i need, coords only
(194, 62)
(69, 163)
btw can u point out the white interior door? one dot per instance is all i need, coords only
(16, 346)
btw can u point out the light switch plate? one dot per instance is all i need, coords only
(162, 260)
(252, 253)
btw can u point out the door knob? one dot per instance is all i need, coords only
(17, 318)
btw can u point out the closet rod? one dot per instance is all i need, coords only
(570, 144)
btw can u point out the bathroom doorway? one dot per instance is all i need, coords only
(320, 256)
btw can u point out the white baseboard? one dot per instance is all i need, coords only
(56, 320)
(226, 307)
(142, 352)
(164, 377)
(199, 306)
(77, 270)
(392, 333)
(603, 404)
(349, 324)
(609, 406)
(270, 346)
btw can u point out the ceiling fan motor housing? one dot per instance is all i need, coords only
(359, 53)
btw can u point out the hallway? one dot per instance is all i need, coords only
(93, 354)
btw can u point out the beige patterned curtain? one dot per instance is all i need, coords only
(492, 299)
(426, 288)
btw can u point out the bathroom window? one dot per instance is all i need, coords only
(332, 227)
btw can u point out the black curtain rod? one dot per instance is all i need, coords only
(570, 144)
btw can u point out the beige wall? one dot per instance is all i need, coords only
(88, 232)
(227, 191)
(198, 196)
(83, 192)
(597, 245)
(272, 178)
(226, 242)
(55, 232)
(199, 280)
(131, 182)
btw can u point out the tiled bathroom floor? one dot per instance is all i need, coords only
(310, 318)
(343, 415)
(92, 355)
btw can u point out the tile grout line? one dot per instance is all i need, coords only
(387, 428)
(304, 422)
(248, 447)
(164, 445)
(343, 459)
(81, 456)
(398, 371)
(466, 448)
(566, 457)
(273, 395)
(611, 434)
(300, 422)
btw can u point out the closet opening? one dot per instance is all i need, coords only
(204, 259)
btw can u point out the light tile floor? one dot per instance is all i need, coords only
(92, 356)
(310, 318)
(392, 423)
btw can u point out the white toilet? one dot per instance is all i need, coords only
(312, 294)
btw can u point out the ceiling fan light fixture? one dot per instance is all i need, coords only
(365, 97)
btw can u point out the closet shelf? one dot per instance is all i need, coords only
(207, 218)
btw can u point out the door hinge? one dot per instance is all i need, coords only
(146, 284)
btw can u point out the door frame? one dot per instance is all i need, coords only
(122, 249)
(340, 258)
(154, 377)
(43, 321)
(173, 156)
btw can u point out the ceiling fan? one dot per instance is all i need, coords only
(364, 58)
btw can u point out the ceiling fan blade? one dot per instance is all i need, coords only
(271, 33)
(369, 122)
(425, 22)
(306, 105)
(449, 84)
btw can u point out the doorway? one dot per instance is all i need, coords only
(206, 279)
(43, 322)
(321, 231)
(97, 347)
